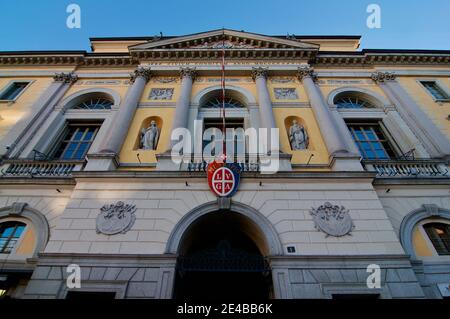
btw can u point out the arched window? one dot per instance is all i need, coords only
(439, 235)
(351, 101)
(94, 103)
(10, 233)
(216, 102)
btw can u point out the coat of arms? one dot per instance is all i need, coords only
(223, 178)
(116, 218)
(333, 220)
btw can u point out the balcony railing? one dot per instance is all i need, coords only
(35, 168)
(407, 168)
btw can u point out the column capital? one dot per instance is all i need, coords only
(258, 72)
(305, 70)
(141, 71)
(381, 77)
(65, 77)
(188, 72)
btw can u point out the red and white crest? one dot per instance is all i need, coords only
(221, 179)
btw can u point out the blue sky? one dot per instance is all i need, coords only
(41, 25)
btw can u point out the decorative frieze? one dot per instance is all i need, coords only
(282, 79)
(161, 94)
(65, 77)
(381, 77)
(165, 80)
(115, 218)
(285, 93)
(141, 71)
(305, 70)
(333, 220)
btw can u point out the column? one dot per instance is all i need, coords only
(118, 131)
(265, 105)
(182, 107)
(333, 137)
(21, 134)
(427, 132)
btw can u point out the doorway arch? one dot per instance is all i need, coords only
(222, 253)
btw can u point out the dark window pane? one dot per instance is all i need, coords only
(76, 142)
(371, 141)
(13, 91)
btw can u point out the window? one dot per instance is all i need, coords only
(94, 104)
(434, 89)
(10, 233)
(439, 235)
(352, 102)
(230, 103)
(13, 91)
(371, 141)
(230, 123)
(76, 141)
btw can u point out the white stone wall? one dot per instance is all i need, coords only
(46, 199)
(401, 200)
(285, 203)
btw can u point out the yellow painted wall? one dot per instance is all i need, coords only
(28, 243)
(420, 245)
(11, 113)
(438, 112)
(302, 97)
(316, 143)
(84, 84)
(129, 150)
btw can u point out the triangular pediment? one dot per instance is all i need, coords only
(225, 39)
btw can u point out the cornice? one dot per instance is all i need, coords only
(247, 55)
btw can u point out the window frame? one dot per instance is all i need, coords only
(8, 86)
(388, 138)
(19, 239)
(423, 232)
(61, 138)
(440, 86)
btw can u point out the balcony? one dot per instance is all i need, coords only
(39, 168)
(407, 168)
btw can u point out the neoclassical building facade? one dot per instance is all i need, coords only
(87, 179)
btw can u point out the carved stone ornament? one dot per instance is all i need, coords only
(259, 72)
(189, 72)
(141, 71)
(65, 77)
(116, 218)
(285, 93)
(333, 220)
(383, 76)
(305, 70)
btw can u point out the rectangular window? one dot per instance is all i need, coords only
(76, 140)
(235, 123)
(13, 90)
(371, 141)
(434, 89)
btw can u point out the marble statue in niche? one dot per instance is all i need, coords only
(285, 94)
(298, 137)
(150, 137)
(161, 94)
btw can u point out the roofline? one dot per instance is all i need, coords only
(333, 37)
(42, 52)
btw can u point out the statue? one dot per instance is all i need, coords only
(298, 137)
(149, 137)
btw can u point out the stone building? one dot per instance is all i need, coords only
(86, 177)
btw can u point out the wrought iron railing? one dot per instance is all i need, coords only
(34, 168)
(407, 168)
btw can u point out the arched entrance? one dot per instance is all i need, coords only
(222, 255)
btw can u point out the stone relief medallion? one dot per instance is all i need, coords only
(285, 93)
(333, 220)
(116, 218)
(161, 94)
